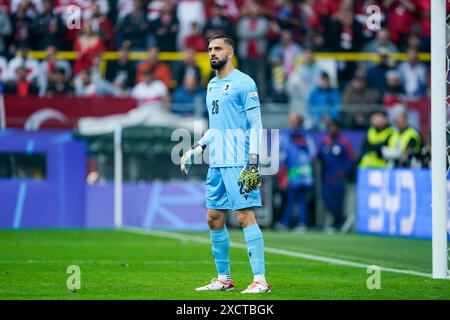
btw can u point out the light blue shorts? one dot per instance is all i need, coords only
(224, 193)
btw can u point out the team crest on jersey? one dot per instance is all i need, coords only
(226, 88)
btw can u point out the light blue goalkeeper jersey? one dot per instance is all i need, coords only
(234, 120)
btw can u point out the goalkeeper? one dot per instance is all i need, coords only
(233, 177)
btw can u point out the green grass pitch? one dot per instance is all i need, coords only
(124, 265)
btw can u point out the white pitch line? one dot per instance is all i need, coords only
(288, 253)
(131, 262)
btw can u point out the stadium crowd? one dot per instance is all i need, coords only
(384, 146)
(276, 41)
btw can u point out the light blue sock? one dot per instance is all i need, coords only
(255, 248)
(221, 250)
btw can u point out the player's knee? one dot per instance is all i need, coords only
(215, 222)
(245, 217)
(241, 219)
(244, 220)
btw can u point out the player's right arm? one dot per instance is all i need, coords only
(187, 160)
(197, 149)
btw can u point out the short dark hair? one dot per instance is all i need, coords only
(325, 75)
(227, 39)
(333, 121)
(61, 71)
(379, 112)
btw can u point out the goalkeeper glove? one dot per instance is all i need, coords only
(250, 176)
(187, 160)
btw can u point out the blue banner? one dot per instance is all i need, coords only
(394, 202)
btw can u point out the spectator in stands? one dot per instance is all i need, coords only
(282, 58)
(415, 42)
(122, 71)
(124, 8)
(22, 27)
(277, 90)
(376, 74)
(165, 28)
(159, 70)
(218, 22)
(188, 66)
(273, 33)
(134, 27)
(318, 43)
(154, 9)
(285, 51)
(400, 19)
(413, 74)
(394, 85)
(382, 40)
(300, 84)
(88, 7)
(394, 93)
(32, 8)
(102, 26)
(364, 14)
(22, 59)
(61, 7)
(320, 13)
(298, 153)
(88, 45)
(89, 85)
(49, 66)
(377, 137)
(323, 102)
(84, 86)
(22, 86)
(48, 27)
(189, 97)
(357, 93)
(59, 84)
(344, 32)
(289, 17)
(251, 32)
(194, 39)
(336, 158)
(189, 12)
(424, 13)
(150, 91)
(406, 142)
(5, 31)
(230, 8)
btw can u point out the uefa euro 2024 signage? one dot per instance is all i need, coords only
(394, 202)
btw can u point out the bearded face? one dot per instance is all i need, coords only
(219, 53)
(217, 63)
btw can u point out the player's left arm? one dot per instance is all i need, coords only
(250, 175)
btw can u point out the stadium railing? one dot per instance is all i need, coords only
(202, 58)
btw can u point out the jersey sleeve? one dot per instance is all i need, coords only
(250, 101)
(206, 139)
(249, 95)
